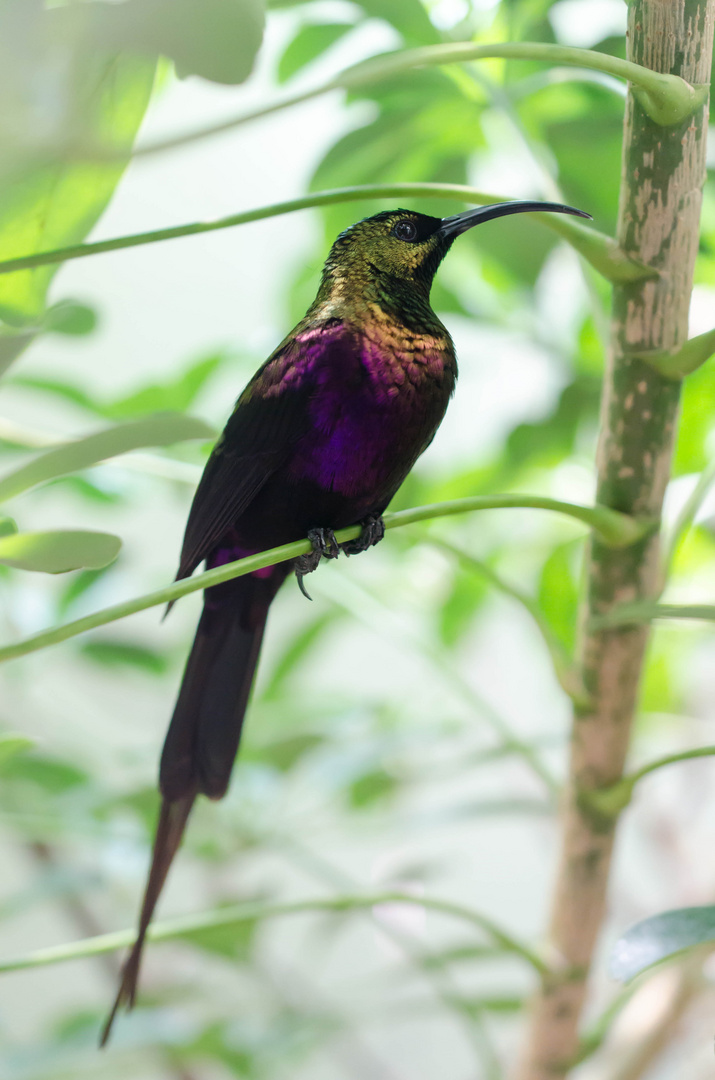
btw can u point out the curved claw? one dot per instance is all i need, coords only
(325, 546)
(373, 530)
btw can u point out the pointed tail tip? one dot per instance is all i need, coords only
(126, 995)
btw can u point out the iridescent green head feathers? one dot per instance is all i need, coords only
(408, 247)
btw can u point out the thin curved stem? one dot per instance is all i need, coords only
(599, 250)
(612, 527)
(567, 674)
(368, 609)
(609, 802)
(666, 98)
(632, 614)
(240, 913)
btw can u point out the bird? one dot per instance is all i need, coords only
(320, 439)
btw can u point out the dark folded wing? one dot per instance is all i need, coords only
(270, 417)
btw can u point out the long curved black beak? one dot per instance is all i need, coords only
(459, 223)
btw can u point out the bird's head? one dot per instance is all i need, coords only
(407, 246)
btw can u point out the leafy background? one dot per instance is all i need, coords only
(375, 757)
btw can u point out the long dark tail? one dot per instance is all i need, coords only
(204, 733)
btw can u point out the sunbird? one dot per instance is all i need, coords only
(321, 439)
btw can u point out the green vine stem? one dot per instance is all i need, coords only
(645, 612)
(611, 801)
(685, 360)
(234, 915)
(613, 528)
(601, 251)
(663, 171)
(667, 99)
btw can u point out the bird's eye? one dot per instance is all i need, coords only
(405, 230)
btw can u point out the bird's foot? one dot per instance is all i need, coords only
(373, 530)
(325, 546)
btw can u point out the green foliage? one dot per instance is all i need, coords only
(158, 430)
(378, 725)
(309, 43)
(45, 206)
(58, 552)
(116, 653)
(660, 938)
(220, 46)
(10, 747)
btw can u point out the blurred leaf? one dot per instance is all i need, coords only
(409, 18)
(45, 206)
(7, 526)
(125, 654)
(547, 442)
(558, 595)
(70, 317)
(310, 42)
(582, 122)
(425, 129)
(76, 587)
(488, 1003)
(297, 650)
(13, 344)
(660, 691)
(660, 938)
(371, 787)
(60, 551)
(697, 417)
(51, 774)
(159, 430)
(61, 388)
(88, 489)
(142, 802)
(284, 754)
(520, 247)
(11, 746)
(460, 954)
(234, 942)
(176, 395)
(218, 39)
(467, 593)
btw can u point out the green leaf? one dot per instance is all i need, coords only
(310, 42)
(175, 395)
(370, 788)
(51, 774)
(11, 746)
(558, 593)
(115, 653)
(61, 388)
(76, 587)
(283, 754)
(217, 39)
(70, 317)
(7, 526)
(58, 552)
(234, 941)
(409, 18)
(661, 937)
(54, 204)
(299, 646)
(466, 595)
(159, 430)
(696, 422)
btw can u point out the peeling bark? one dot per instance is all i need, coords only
(663, 171)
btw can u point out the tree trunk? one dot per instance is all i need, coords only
(663, 172)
